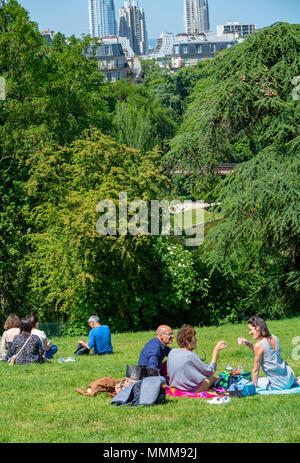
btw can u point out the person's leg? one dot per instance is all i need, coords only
(49, 353)
(207, 383)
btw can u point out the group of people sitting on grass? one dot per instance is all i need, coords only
(185, 370)
(188, 372)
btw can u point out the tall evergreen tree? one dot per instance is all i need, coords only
(243, 111)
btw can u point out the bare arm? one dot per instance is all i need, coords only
(46, 347)
(3, 342)
(91, 342)
(258, 354)
(221, 345)
(85, 344)
(246, 343)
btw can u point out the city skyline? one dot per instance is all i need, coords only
(102, 18)
(71, 16)
(132, 24)
(196, 16)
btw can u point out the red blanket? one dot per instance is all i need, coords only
(171, 391)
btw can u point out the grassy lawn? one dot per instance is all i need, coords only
(209, 218)
(207, 215)
(38, 402)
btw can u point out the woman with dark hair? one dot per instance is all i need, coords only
(186, 370)
(49, 348)
(12, 328)
(33, 351)
(267, 356)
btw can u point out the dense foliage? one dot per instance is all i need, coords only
(52, 96)
(242, 104)
(149, 126)
(171, 89)
(61, 124)
(243, 112)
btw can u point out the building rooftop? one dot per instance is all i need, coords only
(180, 38)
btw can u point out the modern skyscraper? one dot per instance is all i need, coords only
(196, 16)
(102, 18)
(132, 24)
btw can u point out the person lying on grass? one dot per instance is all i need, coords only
(186, 370)
(267, 356)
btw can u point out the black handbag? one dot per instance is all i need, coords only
(81, 350)
(153, 371)
(140, 372)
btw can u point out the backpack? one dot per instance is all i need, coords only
(242, 388)
(148, 391)
(81, 350)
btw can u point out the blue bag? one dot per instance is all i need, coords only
(243, 388)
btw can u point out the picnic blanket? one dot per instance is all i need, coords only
(292, 390)
(173, 392)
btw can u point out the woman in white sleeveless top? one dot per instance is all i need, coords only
(267, 356)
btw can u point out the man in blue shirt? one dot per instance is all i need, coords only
(99, 337)
(157, 349)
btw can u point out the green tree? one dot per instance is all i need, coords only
(171, 89)
(75, 272)
(174, 90)
(140, 121)
(21, 66)
(52, 95)
(151, 70)
(243, 97)
(258, 241)
(251, 111)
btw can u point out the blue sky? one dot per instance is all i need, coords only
(71, 16)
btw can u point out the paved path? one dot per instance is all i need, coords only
(190, 205)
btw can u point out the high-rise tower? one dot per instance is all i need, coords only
(132, 24)
(102, 18)
(196, 16)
